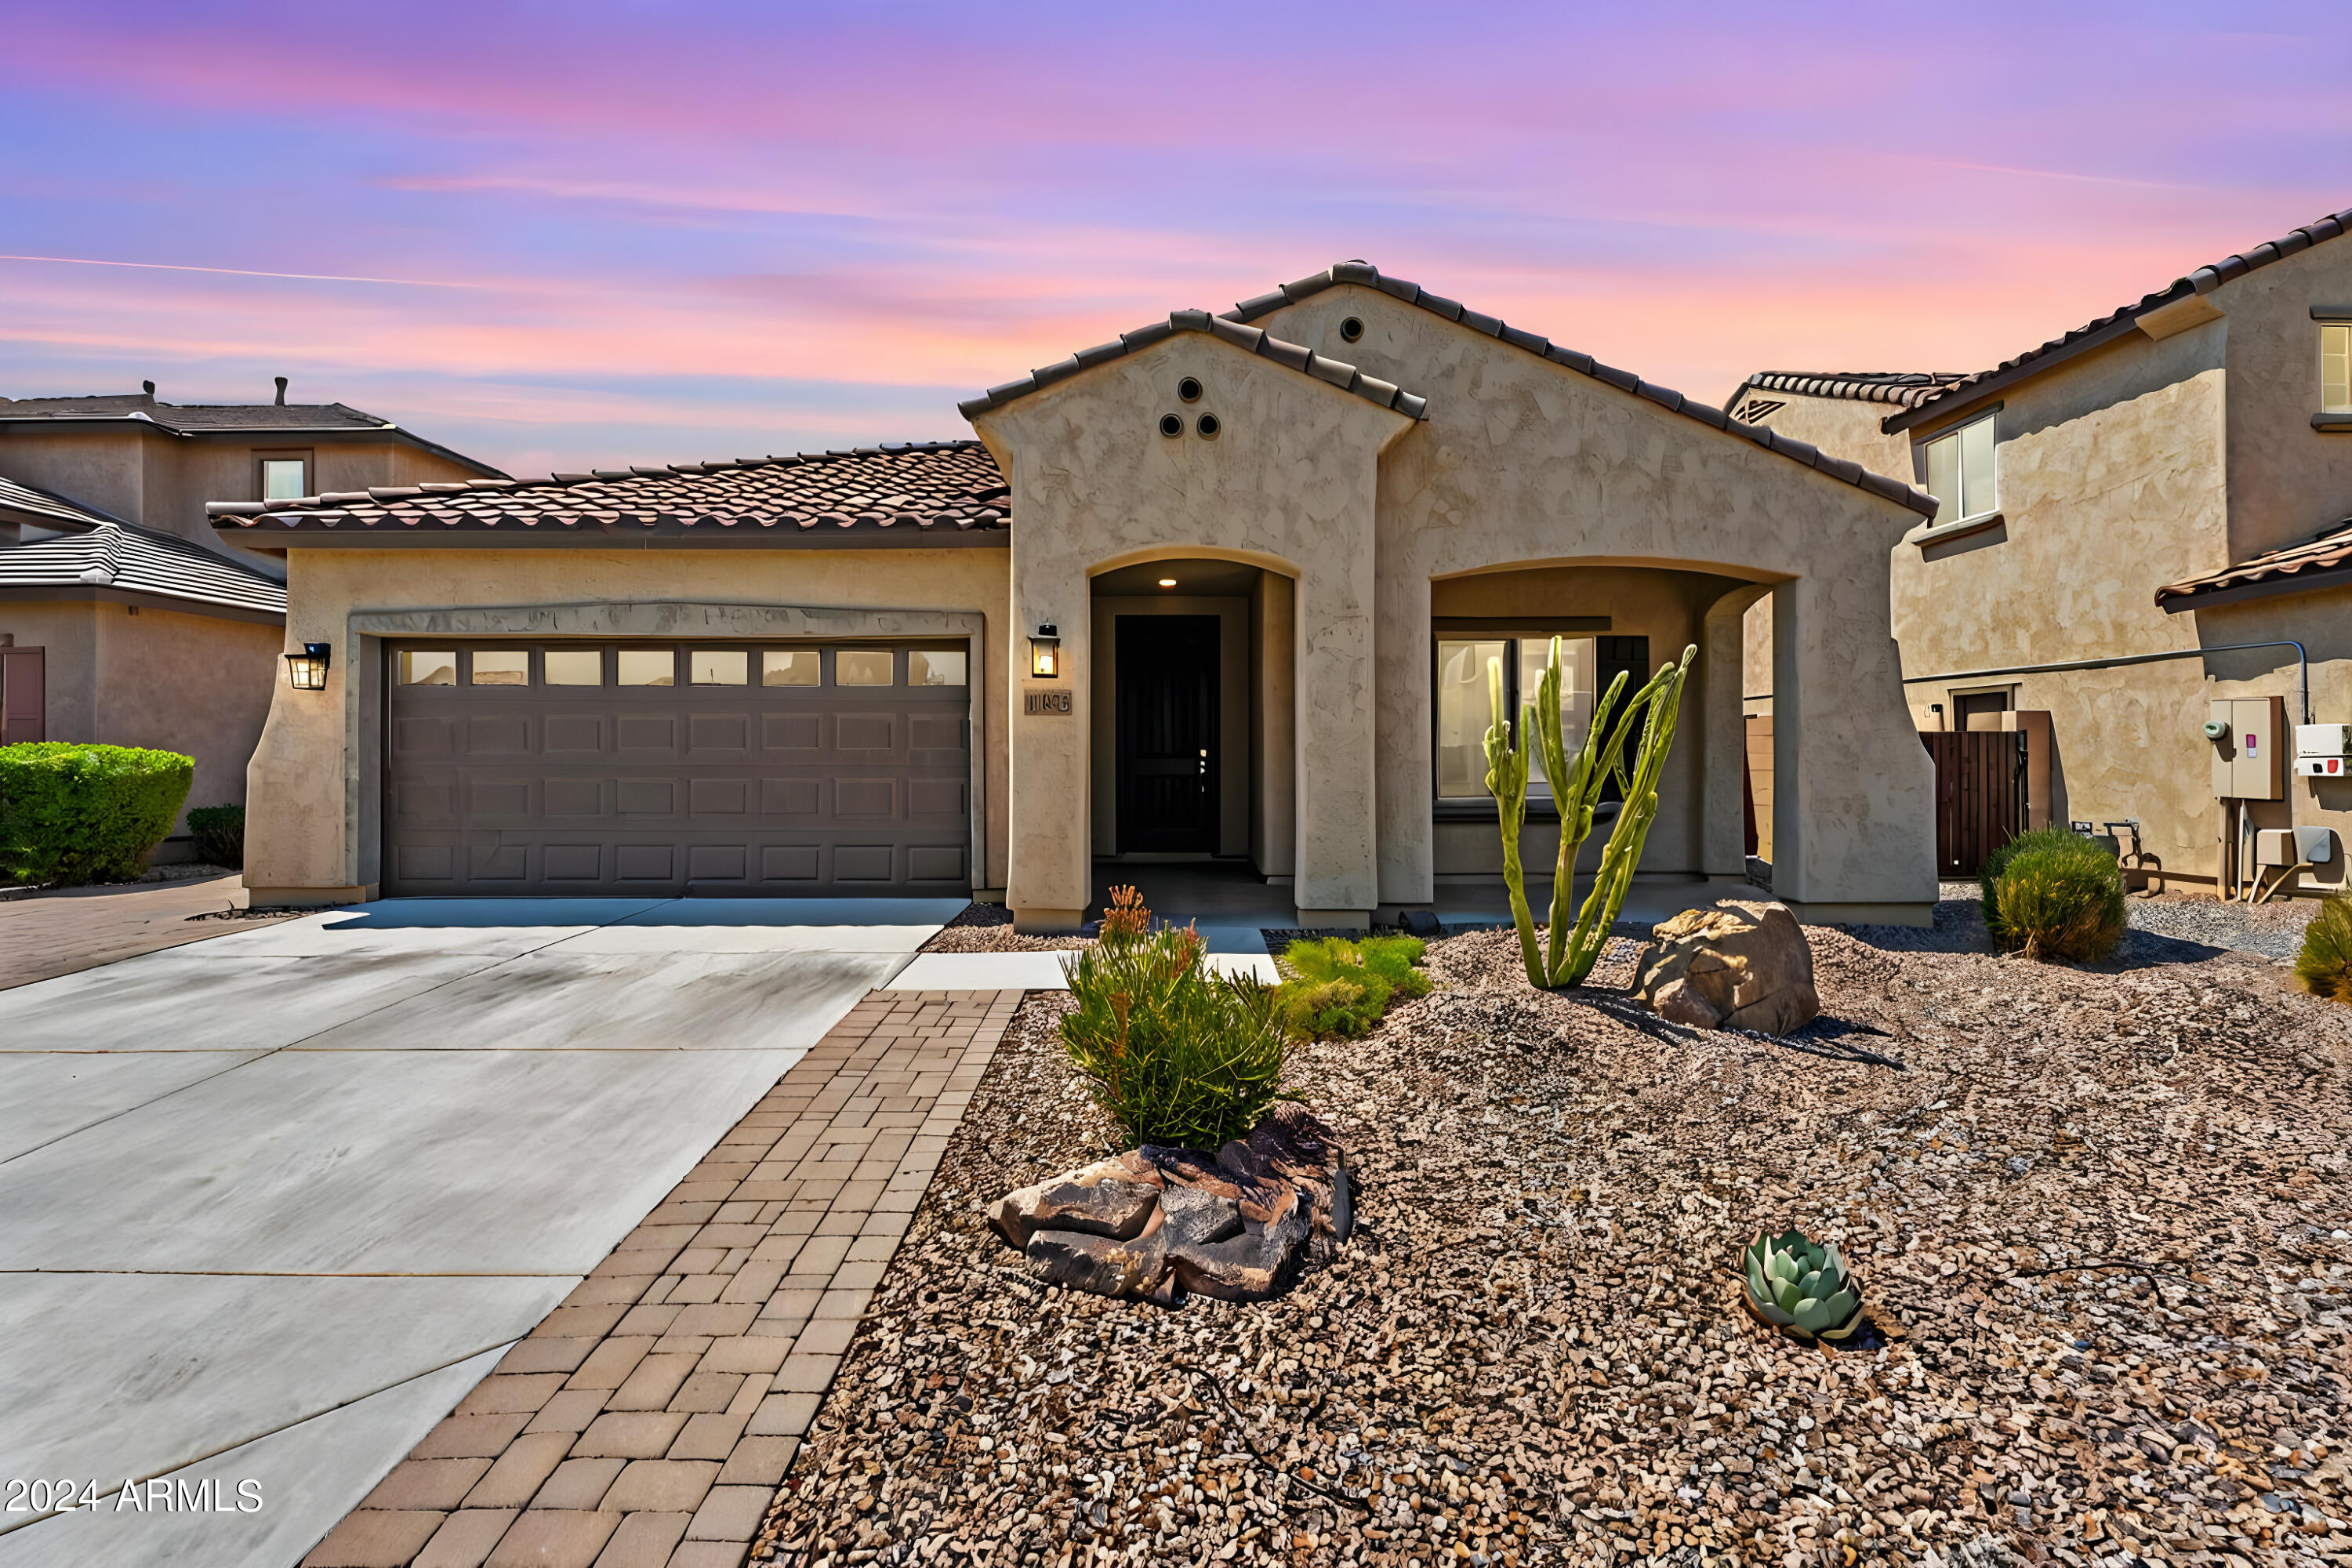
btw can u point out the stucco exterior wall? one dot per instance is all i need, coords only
(158, 678)
(308, 840)
(1522, 462)
(1287, 485)
(2287, 481)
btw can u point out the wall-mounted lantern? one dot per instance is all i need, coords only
(307, 671)
(1046, 652)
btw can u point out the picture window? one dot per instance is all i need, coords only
(648, 666)
(1960, 472)
(865, 667)
(574, 667)
(1465, 712)
(435, 666)
(285, 479)
(718, 666)
(937, 666)
(792, 667)
(501, 667)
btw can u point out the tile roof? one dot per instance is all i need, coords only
(2203, 280)
(1368, 276)
(1909, 388)
(196, 416)
(951, 486)
(21, 502)
(139, 409)
(2327, 553)
(1307, 362)
(141, 560)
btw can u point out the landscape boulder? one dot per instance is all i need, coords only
(1240, 1224)
(1740, 964)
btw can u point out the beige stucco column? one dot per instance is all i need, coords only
(1286, 482)
(1852, 788)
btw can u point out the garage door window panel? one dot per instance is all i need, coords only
(648, 666)
(501, 667)
(866, 667)
(792, 667)
(574, 666)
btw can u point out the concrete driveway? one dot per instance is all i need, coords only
(274, 1202)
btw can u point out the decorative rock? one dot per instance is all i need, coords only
(1238, 1225)
(1106, 1266)
(1741, 965)
(1118, 1209)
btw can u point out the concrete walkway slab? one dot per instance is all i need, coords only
(307, 1474)
(142, 1373)
(191, 1001)
(622, 1002)
(639, 939)
(781, 912)
(380, 1162)
(982, 972)
(44, 1096)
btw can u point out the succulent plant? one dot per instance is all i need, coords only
(1793, 1283)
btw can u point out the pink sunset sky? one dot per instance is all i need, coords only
(595, 233)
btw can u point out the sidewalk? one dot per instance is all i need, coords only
(647, 1421)
(74, 928)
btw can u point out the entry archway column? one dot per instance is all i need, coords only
(1337, 739)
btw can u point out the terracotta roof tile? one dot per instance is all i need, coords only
(141, 560)
(1228, 328)
(1904, 388)
(21, 502)
(951, 486)
(2330, 550)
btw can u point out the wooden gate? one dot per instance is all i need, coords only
(1980, 795)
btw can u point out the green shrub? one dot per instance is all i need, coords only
(220, 835)
(72, 813)
(2324, 967)
(1173, 1054)
(2060, 900)
(1997, 862)
(1342, 987)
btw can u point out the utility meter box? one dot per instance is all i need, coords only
(2250, 758)
(2294, 846)
(2323, 750)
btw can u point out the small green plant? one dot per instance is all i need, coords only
(72, 813)
(2324, 967)
(2060, 897)
(1173, 1054)
(1576, 785)
(219, 833)
(1795, 1284)
(1997, 862)
(1343, 987)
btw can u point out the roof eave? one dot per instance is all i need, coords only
(1962, 399)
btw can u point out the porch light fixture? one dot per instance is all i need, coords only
(1168, 582)
(1046, 652)
(307, 671)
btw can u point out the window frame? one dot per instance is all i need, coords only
(264, 455)
(2342, 332)
(1955, 434)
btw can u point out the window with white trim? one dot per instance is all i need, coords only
(2335, 369)
(284, 479)
(1959, 465)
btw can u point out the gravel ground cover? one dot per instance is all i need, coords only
(988, 928)
(2274, 929)
(2100, 1222)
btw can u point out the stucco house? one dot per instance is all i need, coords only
(123, 620)
(1224, 587)
(2122, 510)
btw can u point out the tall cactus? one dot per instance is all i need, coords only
(1576, 782)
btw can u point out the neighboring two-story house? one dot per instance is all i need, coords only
(2122, 510)
(122, 619)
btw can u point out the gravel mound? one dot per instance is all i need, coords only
(2098, 1215)
(988, 928)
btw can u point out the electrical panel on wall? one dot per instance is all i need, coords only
(2250, 752)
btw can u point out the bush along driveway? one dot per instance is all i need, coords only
(2097, 1214)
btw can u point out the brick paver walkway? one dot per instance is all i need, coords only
(648, 1420)
(73, 929)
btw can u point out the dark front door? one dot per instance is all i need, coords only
(1166, 734)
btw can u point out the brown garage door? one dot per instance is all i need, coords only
(723, 769)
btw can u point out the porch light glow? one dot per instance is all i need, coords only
(307, 671)
(1168, 582)
(1046, 652)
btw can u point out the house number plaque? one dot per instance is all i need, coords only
(1054, 699)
